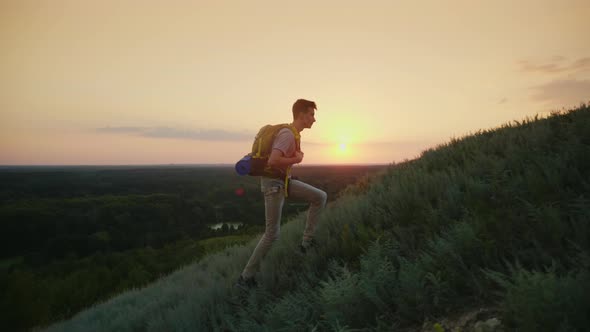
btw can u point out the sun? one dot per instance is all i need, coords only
(342, 135)
(342, 147)
(342, 150)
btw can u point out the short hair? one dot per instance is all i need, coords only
(302, 106)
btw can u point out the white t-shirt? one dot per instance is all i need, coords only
(285, 142)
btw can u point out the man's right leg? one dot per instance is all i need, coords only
(274, 198)
(317, 199)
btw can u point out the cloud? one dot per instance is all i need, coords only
(558, 58)
(563, 92)
(556, 65)
(169, 132)
(120, 129)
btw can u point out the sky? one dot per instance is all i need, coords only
(190, 82)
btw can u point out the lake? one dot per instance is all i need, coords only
(233, 225)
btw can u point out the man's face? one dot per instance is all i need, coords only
(308, 117)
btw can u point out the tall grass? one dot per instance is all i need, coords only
(499, 218)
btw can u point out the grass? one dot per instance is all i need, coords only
(6, 263)
(498, 218)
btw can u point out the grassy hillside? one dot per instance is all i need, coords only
(499, 219)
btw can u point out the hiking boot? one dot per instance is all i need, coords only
(246, 284)
(310, 245)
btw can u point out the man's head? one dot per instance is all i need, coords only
(304, 112)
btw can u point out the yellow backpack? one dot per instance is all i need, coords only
(256, 162)
(262, 147)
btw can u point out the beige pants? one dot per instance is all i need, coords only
(274, 198)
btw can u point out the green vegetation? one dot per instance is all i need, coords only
(51, 213)
(75, 236)
(498, 219)
(59, 289)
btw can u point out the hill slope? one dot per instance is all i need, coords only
(498, 219)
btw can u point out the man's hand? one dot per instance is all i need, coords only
(299, 156)
(277, 159)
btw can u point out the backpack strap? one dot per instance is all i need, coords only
(297, 148)
(297, 137)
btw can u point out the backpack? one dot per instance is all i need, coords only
(256, 162)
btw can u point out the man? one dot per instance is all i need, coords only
(285, 153)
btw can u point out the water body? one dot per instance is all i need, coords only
(233, 225)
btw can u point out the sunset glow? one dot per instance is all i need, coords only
(135, 82)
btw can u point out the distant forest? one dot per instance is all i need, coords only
(74, 235)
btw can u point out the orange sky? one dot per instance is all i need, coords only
(159, 82)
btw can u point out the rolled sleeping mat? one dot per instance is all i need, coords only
(243, 166)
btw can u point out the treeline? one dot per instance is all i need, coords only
(139, 209)
(45, 229)
(143, 207)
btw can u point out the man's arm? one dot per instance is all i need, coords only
(277, 159)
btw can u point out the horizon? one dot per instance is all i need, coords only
(540, 116)
(136, 83)
(180, 165)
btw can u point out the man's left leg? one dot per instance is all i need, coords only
(317, 199)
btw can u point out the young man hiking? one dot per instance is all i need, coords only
(285, 152)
